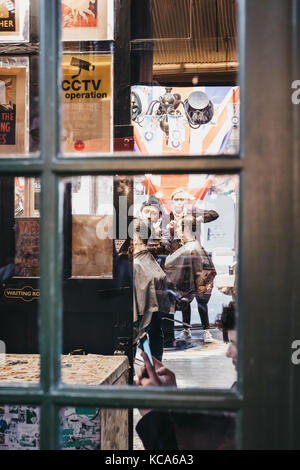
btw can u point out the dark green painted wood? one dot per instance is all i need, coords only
(269, 258)
(50, 301)
(124, 397)
(294, 408)
(265, 307)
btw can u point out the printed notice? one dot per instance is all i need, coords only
(87, 103)
(7, 110)
(87, 20)
(8, 16)
(14, 20)
(14, 109)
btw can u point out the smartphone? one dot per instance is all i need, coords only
(144, 344)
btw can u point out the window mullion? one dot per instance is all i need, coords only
(50, 303)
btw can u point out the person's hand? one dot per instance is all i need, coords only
(157, 375)
(156, 228)
(171, 225)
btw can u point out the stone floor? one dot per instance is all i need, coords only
(200, 366)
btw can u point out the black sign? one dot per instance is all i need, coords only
(7, 125)
(8, 17)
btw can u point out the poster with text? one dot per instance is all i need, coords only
(87, 20)
(87, 103)
(14, 20)
(13, 106)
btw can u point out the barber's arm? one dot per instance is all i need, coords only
(206, 216)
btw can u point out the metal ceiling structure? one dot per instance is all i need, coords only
(195, 32)
(191, 37)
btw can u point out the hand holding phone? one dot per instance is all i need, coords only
(158, 375)
(144, 344)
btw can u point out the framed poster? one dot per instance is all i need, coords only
(14, 108)
(14, 20)
(87, 103)
(27, 258)
(92, 254)
(87, 20)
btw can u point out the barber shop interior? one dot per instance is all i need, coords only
(149, 214)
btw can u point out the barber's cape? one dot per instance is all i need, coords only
(149, 288)
(190, 270)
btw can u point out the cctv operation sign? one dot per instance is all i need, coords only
(87, 103)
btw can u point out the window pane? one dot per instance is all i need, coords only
(172, 71)
(19, 277)
(94, 429)
(185, 94)
(19, 91)
(19, 427)
(87, 76)
(150, 256)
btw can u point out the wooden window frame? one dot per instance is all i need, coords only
(269, 232)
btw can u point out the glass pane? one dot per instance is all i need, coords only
(184, 87)
(174, 70)
(19, 91)
(19, 427)
(87, 76)
(150, 257)
(94, 429)
(19, 279)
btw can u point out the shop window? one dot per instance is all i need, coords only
(19, 90)
(171, 282)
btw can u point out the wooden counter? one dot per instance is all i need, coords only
(79, 428)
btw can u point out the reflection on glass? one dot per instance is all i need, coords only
(151, 262)
(19, 427)
(93, 429)
(19, 279)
